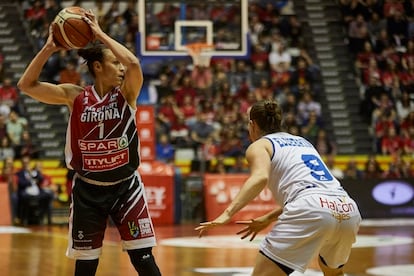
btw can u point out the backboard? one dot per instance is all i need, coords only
(167, 26)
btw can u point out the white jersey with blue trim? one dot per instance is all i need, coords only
(297, 166)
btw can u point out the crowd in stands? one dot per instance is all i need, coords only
(204, 108)
(381, 40)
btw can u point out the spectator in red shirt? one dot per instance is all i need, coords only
(9, 95)
(391, 143)
(185, 88)
(188, 109)
(384, 122)
(168, 111)
(36, 15)
(407, 122)
(408, 141)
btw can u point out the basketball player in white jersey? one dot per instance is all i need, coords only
(102, 148)
(316, 217)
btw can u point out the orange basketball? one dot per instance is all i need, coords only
(70, 30)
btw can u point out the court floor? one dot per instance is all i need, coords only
(383, 247)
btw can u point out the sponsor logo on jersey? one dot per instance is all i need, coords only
(98, 114)
(91, 146)
(145, 227)
(133, 229)
(340, 208)
(104, 162)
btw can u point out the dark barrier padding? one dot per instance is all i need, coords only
(382, 198)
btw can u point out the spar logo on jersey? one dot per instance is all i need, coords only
(95, 146)
(133, 229)
(101, 155)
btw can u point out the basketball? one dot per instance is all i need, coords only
(70, 30)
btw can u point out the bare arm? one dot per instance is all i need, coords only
(43, 91)
(258, 159)
(132, 84)
(258, 156)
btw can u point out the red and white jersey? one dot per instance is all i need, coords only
(102, 141)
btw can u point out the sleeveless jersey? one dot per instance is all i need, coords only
(296, 166)
(101, 140)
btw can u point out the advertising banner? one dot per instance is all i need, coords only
(158, 180)
(382, 198)
(146, 130)
(220, 190)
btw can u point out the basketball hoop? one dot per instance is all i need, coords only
(200, 53)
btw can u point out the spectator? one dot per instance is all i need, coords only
(209, 151)
(263, 91)
(375, 24)
(241, 76)
(164, 149)
(311, 128)
(372, 168)
(118, 29)
(29, 190)
(53, 7)
(306, 105)
(6, 150)
(201, 131)
(47, 187)
(163, 89)
(386, 121)
(397, 27)
(180, 134)
(370, 97)
(15, 127)
(36, 16)
(27, 147)
(302, 78)
(408, 142)
(185, 88)
(357, 34)
(407, 122)
(325, 144)
(259, 72)
(9, 95)
(168, 112)
(230, 143)
(404, 105)
(352, 171)
(280, 60)
(70, 74)
(188, 110)
(391, 143)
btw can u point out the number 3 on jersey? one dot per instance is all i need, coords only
(317, 167)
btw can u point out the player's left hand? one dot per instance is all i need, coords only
(204, 226)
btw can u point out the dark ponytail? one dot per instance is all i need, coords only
(92, 54)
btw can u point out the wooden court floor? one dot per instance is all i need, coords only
(385, 248)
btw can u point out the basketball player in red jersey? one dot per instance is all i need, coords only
(102, 147)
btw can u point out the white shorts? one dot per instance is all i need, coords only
(310, 225)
